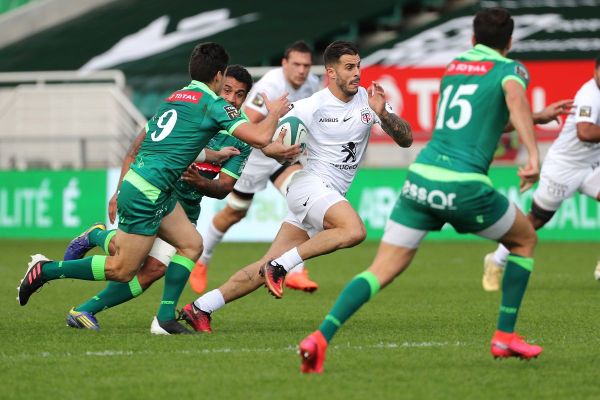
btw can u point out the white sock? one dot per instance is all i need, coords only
(211, 239)
(289, 259)
(501, 255)
(298, 268)
(210, 301)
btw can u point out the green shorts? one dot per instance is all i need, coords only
(142, 206)
(192, 210)
(433, 196)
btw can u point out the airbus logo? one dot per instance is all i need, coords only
(329, 119)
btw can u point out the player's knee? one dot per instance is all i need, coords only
(150, 273)
(354, 236)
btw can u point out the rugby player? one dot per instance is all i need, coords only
(448, 183)
(571, 165)
(339, 119)
(184, 124)
(293, 77)
(225, 156)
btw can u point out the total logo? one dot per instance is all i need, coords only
(436, 199)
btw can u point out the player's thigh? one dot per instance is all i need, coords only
(131, 250)
(591, 184)
(340, 214)
(177, 230)
(558, 182)
(282, 177)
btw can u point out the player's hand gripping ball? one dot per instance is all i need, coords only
(295, 132)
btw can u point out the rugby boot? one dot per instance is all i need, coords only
(196, 318)
(81, 244)
(198, 277)
(506, 345)
(170, 327)
(300, 281)
(312, 352)
(82, 320)
(274, 275)
(32, 280)
(492, 274)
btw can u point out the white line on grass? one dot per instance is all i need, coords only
(289, 348)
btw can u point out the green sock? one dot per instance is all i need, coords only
(360, 290)
(514, 283)
(112, 295)
(88, 268)
(101, 238)
(176, 277)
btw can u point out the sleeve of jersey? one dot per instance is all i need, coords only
(515, 71)
(226, 116)
(255, 100)
(588, 106)
(235, 165)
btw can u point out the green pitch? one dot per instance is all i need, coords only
(425, 337)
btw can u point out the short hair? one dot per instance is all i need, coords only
(336, 49)
(206, 60)
(300, 46)
(493, 27)
(240, 74)
(598, 62)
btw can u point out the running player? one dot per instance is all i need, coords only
(184, 124)
(225, 157)
(448, 183)
(293, 77)
(339, 119)
(571, 165)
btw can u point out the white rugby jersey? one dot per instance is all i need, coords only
(274, 84)
(567, 147)
(338, 134)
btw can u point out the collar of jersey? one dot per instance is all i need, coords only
(481, 51)
(203, 86)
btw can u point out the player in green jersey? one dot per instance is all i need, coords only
(184, 124)
(448, 183)
(225, 157)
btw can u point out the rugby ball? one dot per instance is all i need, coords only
(295, 132)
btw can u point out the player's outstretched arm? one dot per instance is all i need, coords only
(550, 113)
(259, 135)
(216, 188)
(396, 127)
(520, 115)
(134, 149)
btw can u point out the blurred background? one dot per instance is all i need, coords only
(79, 78)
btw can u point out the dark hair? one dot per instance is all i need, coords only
(597, 61)
(240, 74)
(206, 60)
(300, 46)
(493, 27)
(335, 50)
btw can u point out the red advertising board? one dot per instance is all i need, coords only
(413, 91)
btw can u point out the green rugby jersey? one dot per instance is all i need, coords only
(232, 167)
(472, 110)
(183, 125)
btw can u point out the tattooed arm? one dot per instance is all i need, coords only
(397, 128)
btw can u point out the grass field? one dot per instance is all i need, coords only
(425, 337)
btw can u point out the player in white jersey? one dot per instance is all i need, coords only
(294, 78)
(571, 165)
(339, 119)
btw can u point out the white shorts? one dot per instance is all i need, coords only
(309, 197)
(256, 173)
(560, 181)
(162, 251)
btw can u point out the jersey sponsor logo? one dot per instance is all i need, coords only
(231, 111)
(187, 96)
(258, 100)
(469, 67)
(365, 116)
(329, 119)
(436, 199)
(350, 150)
(344, 166)
(347, 118)
(585, 111)
(522, 72)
